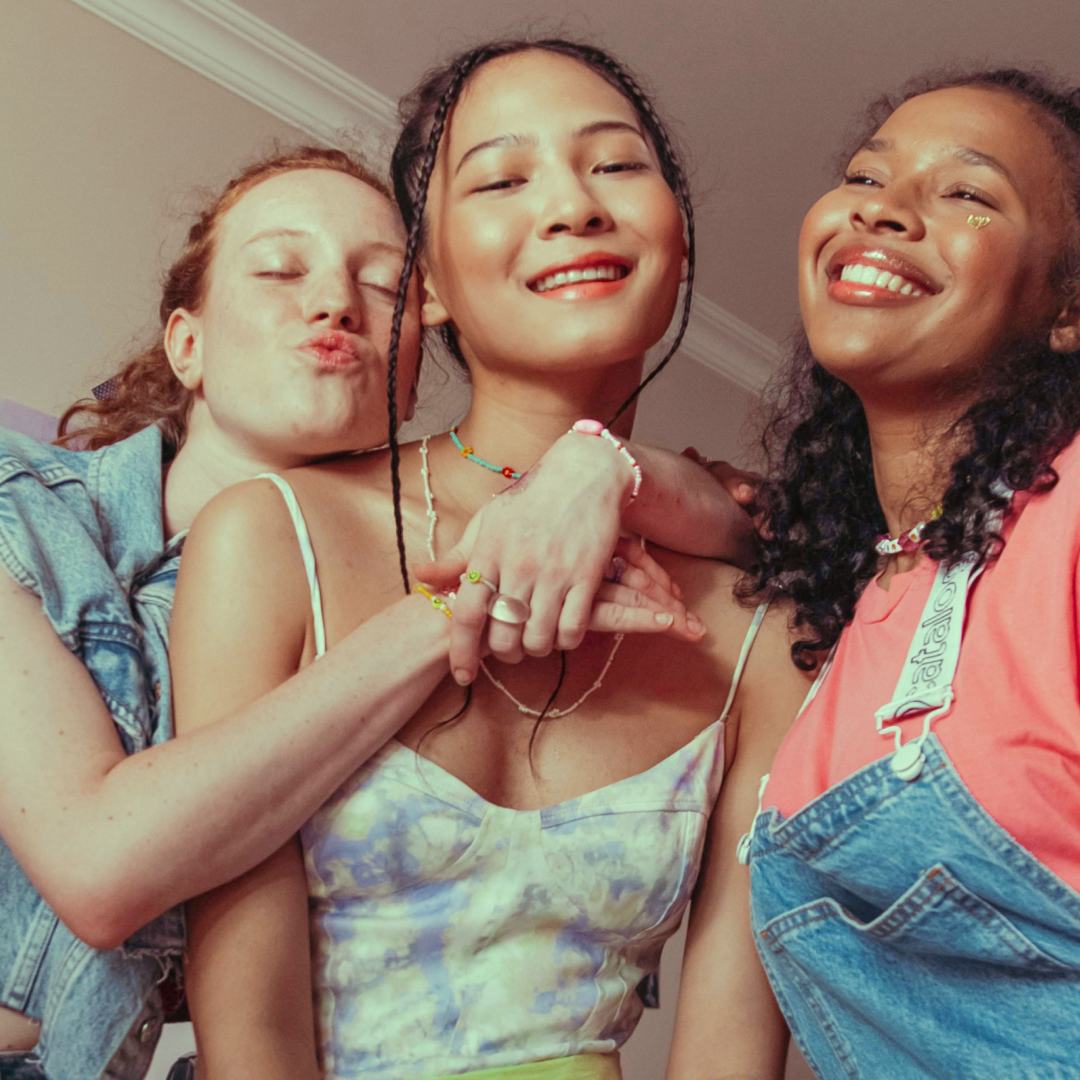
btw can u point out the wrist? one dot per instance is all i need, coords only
(590, 464)
(630, 470)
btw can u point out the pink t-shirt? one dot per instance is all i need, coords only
(1013, 732)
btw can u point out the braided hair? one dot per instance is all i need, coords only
(424, 113)
(821, 502)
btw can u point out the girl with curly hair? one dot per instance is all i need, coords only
(916, 869)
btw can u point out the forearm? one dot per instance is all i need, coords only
(681, 506)
(182, 818)
(248, 975)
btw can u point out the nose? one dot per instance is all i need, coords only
(334, 302)
(574, 208)
(887, 210)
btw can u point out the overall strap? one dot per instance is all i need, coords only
(307, 554)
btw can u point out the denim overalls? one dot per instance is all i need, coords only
(904, 932)
(83, 531)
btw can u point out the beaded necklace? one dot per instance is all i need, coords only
(467, 453)
(906, 542)
(433, 520)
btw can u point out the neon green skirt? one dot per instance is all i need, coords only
(579, 1067)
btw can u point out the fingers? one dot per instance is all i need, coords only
(545, 622)
(740, 485)
(621, 610)
(466, 630)
(443, 575)
(630, 550)
(575, 617)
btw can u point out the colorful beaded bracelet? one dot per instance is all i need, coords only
(437, 602)
(594, 427)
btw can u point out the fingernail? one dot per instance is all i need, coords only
(694, 624)
(462, 676)
(665, 618)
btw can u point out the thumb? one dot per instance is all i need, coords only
(444, 574)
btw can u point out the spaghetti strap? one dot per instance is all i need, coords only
(744, 653)
(307, 554)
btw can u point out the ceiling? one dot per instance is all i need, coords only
(759, 92)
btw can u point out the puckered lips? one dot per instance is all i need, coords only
(875, 276)
(588, 277)
(332, 349)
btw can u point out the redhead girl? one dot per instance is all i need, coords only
(489, 889)
(916, 869)
(275, 326)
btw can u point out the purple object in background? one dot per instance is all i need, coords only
(22, 418)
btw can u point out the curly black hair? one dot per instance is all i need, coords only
(820, 501)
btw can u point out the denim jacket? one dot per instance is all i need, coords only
(83, 531)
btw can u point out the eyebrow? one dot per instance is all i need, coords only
(268, 234)
(978, 157)
(967, 154)
(377, 246)
(597, 127)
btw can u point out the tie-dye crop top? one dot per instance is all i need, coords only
(450, 934)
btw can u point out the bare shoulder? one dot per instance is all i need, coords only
(242, 539)
(709, 590)
(772, 688)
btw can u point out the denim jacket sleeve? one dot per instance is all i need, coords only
(83, 532)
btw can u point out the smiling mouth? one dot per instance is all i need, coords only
(872, 277)
(603, 272)
(864, 274)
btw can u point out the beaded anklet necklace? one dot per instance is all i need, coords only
(433, 520)
(467, 453)
(905, 542)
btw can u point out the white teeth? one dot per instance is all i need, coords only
(570, 277)
(880, 279)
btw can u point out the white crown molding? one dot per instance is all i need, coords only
(222, 41)
(244, 54)
(730, 347)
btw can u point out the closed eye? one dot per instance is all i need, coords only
(500, 185)
(385, 290)
(622, 166)
(278, 275)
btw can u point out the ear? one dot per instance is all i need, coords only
(183, 346)
(1065, 333)
(432, 312)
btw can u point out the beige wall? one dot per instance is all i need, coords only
(105, 143)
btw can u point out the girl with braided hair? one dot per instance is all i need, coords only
(916, 871)
(489, 889)
(272, 352)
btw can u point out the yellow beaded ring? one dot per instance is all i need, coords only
(474, 577)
